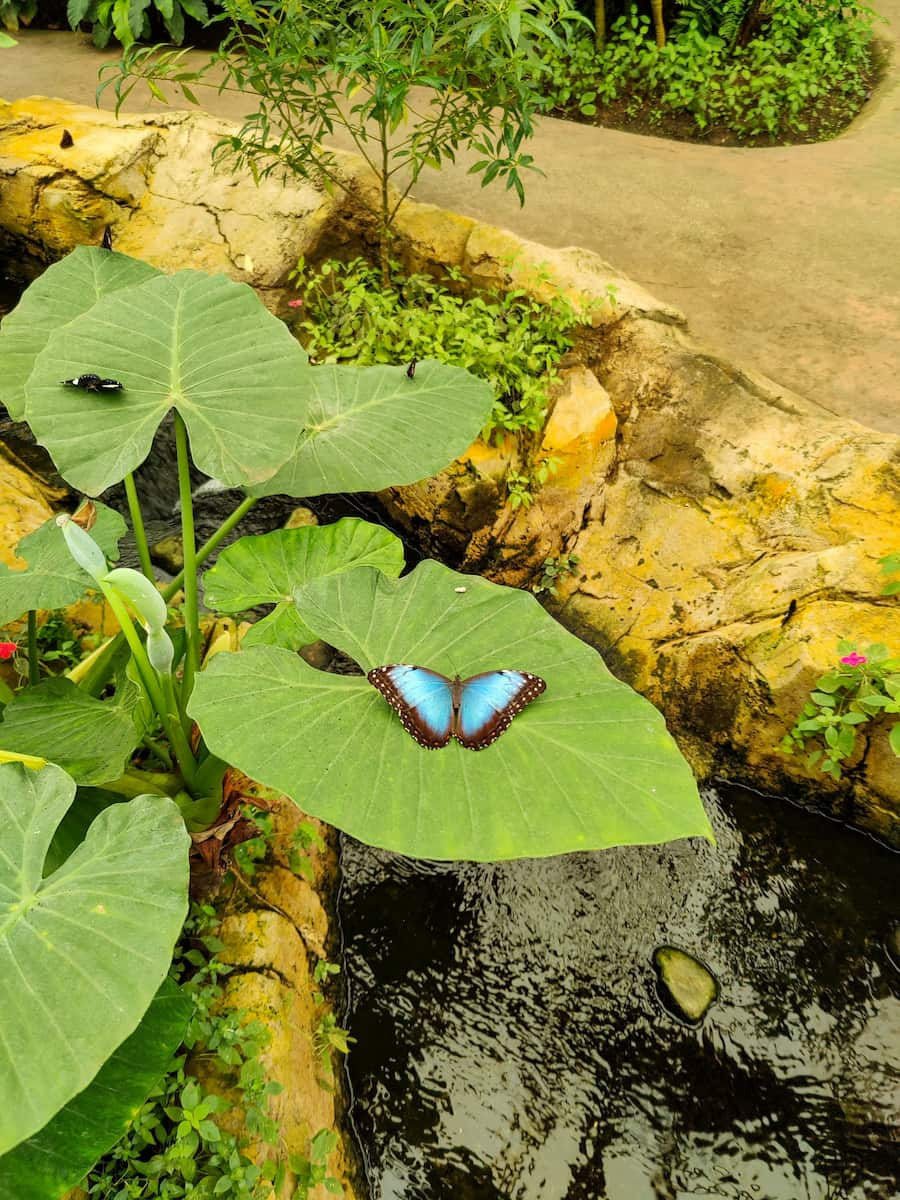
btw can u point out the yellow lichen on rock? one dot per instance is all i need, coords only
(24, 506)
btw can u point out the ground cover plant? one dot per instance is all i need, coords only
(107, 769)
(783, 71)
(510, 340)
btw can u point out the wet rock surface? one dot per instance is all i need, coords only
(686, 987)
(512, 1043)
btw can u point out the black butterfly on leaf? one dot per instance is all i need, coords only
(93, 383)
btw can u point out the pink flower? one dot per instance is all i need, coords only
(7, 649)
(854, 660)
(295, 303)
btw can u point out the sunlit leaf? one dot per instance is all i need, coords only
(84, 949)
(268, 568)
(199, 343)
(61, 1154)
(588, 764)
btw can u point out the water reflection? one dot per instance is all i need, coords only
(511, 1044)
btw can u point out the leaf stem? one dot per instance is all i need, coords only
(137, 525)
(34, 673)
(211, 543)
(169, 719)
(189, 549)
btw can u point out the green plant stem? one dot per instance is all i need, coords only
(158, 750)
(7, 695)
(211, 543)
(189, 549)
(34, 672)
(137, 524)
(170, 719)
(136, 782)
(95, 678)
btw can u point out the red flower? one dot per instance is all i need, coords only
(7, 649)
(295, 303)
(854, 660)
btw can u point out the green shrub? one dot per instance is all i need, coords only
(510, 340)
(15, 13)
(810, 61)
(128, 21)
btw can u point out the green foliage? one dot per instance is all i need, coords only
(57, 1157)
(808, 59)
(128, 21)
(509, 340)
(464, 71)
(91, 739)
(311, 1170)
(14, 14)
(554, 570)
(249, 854)
(68, 993)
(721, 18)
(174, 1148)
(57, 644)
(861, 689)
(890, 565)
(57, 297)
(268, 568)
(589, 738)
(101, 902)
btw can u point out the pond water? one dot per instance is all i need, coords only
(511, 1042)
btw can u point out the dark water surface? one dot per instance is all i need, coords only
(511, 1043)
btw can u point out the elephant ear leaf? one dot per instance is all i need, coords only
(269, 568)
(588, 764)
(61, 1154)
(201, 344)
(370, 428)
(83, 949)
(64, 291)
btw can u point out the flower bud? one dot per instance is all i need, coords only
(160, 651)
(141, 594)
(83, 548)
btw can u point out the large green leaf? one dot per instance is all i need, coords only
(589, 764)
(199, 343)
(62, 1153)
(82, 951)
(53, 579)
(56, 720)
(373, 427)
(267, 568)
(64, 291)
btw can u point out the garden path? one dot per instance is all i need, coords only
(785, 260)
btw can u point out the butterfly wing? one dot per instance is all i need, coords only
(490, 701)
(422, 698)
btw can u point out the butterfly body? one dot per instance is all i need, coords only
(93, 383)
(434, 708)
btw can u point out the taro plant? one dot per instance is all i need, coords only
(408, 82)
(105, 769)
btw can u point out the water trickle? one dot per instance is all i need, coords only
(512, 1045)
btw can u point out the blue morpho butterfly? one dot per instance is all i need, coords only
(434, 708)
